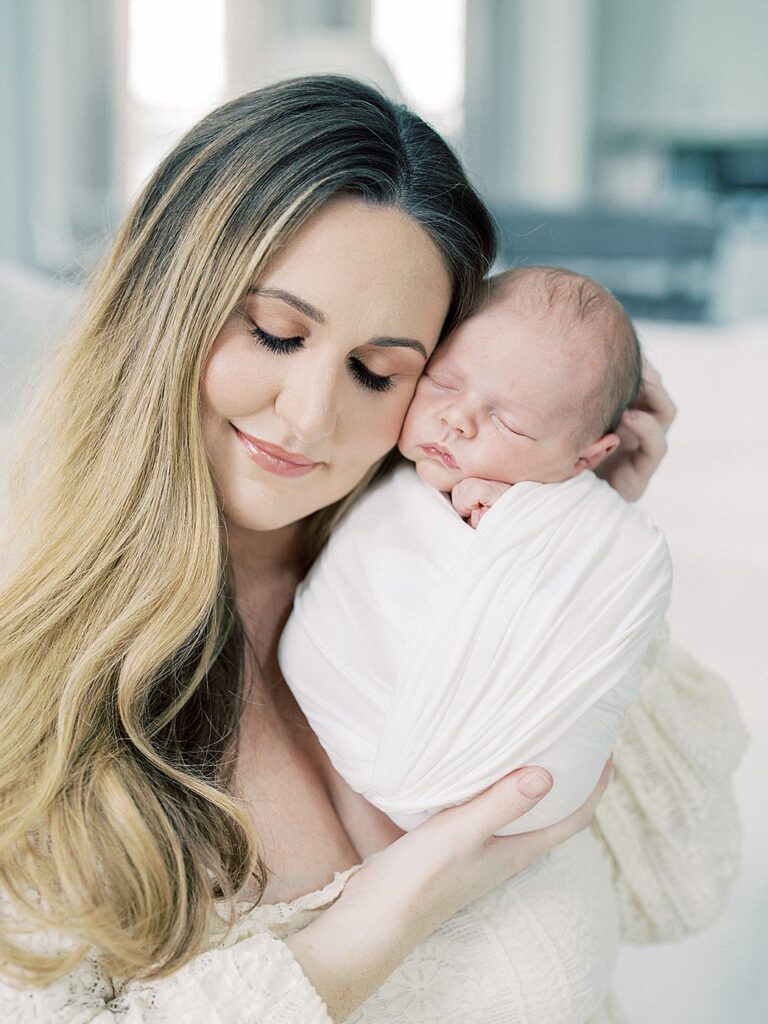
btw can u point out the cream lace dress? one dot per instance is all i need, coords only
(540, 949)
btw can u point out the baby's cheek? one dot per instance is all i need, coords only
(493, 458)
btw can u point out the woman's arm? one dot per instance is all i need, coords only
(323, 972)
(643, 433)
(405, 892)
(669, 822)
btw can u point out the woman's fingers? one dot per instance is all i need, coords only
(643, 437)
(506, 800)
(642, 433)
(581, 817)
(649, 371)
(651, 445)
(643, 446)
(654, 397)
(455, 857)
(531, 845)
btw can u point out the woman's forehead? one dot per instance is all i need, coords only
(355, 258)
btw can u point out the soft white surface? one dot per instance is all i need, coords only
(711, 499)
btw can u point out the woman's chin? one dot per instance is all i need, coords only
(260, 512)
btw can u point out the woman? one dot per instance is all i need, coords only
(241, 373)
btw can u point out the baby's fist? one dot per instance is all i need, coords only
(473, 497)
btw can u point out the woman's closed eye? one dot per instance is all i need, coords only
(283, 346)
(274, 342)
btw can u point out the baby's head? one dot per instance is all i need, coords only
(531, 387)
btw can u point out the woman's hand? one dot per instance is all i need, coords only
(643, 438)
(406, 891)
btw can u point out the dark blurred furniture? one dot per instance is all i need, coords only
(659, 268)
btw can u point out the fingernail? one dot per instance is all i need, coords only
(533, 785)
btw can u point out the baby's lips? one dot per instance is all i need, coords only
(439, 450)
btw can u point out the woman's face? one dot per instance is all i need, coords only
(320, 362)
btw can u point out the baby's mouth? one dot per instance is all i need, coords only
(436, 451)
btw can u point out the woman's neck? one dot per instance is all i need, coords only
(266, 569)
(256, 554)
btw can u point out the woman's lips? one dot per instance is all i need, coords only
(435, 451)
(273, 458)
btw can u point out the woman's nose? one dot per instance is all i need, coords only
(308, 405)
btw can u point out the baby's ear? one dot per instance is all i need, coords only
(593, 454)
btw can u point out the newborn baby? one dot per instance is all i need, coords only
(532, 390)
(488, 604)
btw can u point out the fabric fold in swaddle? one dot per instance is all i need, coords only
(430, 659)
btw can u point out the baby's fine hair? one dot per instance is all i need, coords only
(586, 305)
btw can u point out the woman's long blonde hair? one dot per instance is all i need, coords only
(121, 656)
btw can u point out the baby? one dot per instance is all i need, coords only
(532, 390)
(493, 608)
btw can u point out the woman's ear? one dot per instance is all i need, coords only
(593, 454)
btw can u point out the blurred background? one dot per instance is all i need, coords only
(627, 139)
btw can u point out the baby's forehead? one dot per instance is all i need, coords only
(513, 329)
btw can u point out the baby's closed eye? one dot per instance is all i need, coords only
(507, 428)
(442, 383)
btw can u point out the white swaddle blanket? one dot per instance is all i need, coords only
(431, 659)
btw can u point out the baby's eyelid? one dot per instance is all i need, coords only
(445, 387)
(506, 426)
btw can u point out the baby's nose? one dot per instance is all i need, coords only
(458, 416)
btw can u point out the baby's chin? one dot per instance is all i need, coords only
(436, 475)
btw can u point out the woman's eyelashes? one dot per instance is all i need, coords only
(365, 377)
(275, 343)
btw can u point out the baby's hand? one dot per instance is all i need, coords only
(473, 497)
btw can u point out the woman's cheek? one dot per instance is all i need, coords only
(385, 424)
(409, 395)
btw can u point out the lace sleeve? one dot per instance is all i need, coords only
(256, 981)
(668, 819)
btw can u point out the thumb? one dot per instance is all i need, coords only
(506, 800)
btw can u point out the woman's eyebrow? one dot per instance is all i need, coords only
(292, 300)
(399, 343)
